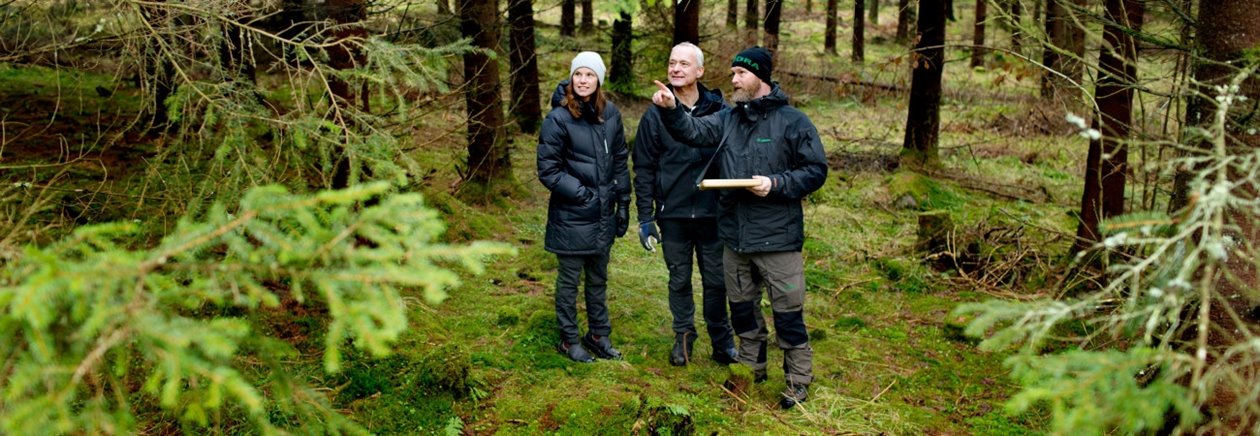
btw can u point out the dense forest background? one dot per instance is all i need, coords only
(294, 216)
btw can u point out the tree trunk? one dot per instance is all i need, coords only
(905, 18)
(872, 10)
(568, 17)
(774, 10)
(349, 15)
(752, 15)
(1052, 23)
(687, 21)
(488, 157)
(1193, 113)
(859, 31)
(1107, 161)
(1064, 54)
(1017, 31)
(924, 114)
(977, 34)
(588, 17)
(809, 7)
(621, 75)
(732, 14)
(1226, 38)
(829, 39)
(159, 69)
(526, 104)
(1226, 31)
(444, 7)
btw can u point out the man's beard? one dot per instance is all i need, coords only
(740, 95)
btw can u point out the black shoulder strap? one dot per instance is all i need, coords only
(708, 164)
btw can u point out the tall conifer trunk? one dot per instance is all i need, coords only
(923, 117)
(752, 17)
(568, 17)
(829, 39)
(588, 18)
(774, 10)
(1106, 164)
(621, 72)
(488, 156)
(977, 34)
(859, 32)
(687, 21)
(905, 19)
(526, 102)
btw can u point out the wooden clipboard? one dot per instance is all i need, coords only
(728, 183)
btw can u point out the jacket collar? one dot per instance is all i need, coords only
(710, 99)
(557, 97)
(765, 104)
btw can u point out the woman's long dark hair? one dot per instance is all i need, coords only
(574, 103)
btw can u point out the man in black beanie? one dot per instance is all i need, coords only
(762, 227)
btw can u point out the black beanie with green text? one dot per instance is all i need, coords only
(756, 60)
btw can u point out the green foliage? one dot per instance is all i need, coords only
(657, 417)
(1096, 392)
(1167, 333)
(1011, 323)
(92, 326)
(454, 426)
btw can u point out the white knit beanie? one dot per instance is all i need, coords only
(588, 59)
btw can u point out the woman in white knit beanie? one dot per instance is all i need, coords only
(582, 160)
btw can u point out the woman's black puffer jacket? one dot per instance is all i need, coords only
(582, 161)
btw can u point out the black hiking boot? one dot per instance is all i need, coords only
(681, 354)
(725, 356)
(601, 346)
(574, 352)
(793, 395)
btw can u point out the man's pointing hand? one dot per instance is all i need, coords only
(663, 97)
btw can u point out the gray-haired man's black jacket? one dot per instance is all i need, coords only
(767, 137)
(665, 170)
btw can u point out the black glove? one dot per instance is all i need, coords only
(648, 235)
(623, 219)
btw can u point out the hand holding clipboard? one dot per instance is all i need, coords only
(707, 184)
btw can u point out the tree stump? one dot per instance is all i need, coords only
(933, 238)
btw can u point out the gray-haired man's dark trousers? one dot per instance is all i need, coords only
(682, 239)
